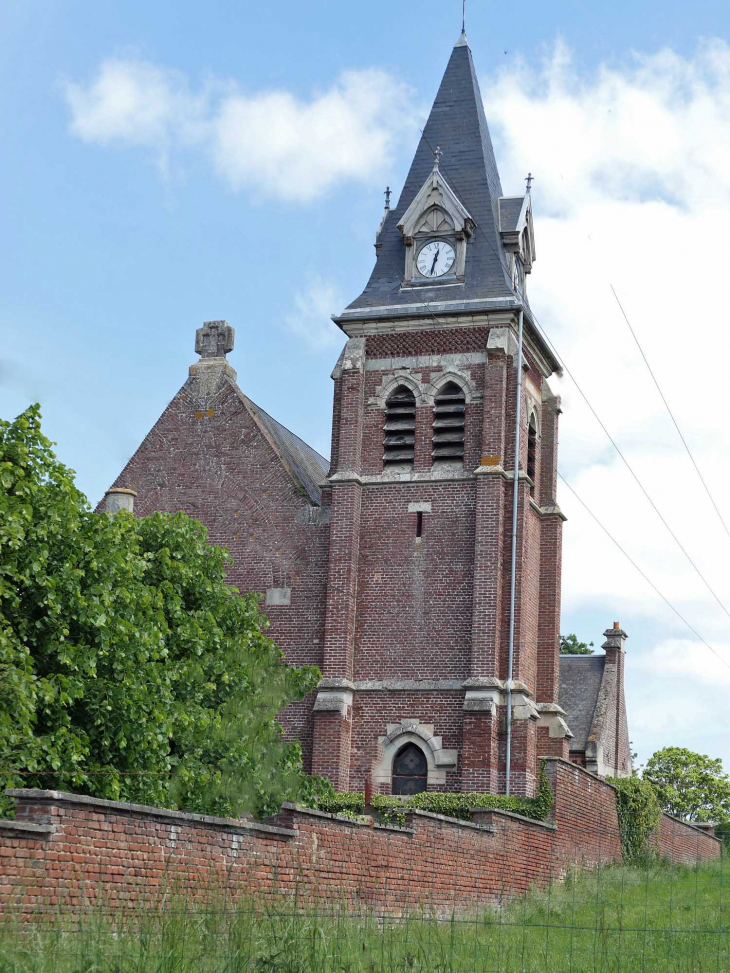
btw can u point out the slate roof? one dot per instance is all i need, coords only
(509, 212)
(458, 125)
(303, 462)
(580, 683)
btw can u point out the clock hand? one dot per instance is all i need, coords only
(433, 265)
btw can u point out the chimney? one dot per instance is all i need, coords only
(119, 498)
(615, 644)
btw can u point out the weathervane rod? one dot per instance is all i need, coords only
(463, 16)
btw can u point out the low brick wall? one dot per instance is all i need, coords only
(70, 851)
(683, 843)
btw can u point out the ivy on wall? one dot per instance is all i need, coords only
(459, 806)
(638, 814)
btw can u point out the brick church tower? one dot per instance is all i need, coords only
(415, 654)
(389, 566)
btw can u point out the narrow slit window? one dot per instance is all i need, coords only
(449, 414)
(419, 524)
(532, 450)
(399, 430)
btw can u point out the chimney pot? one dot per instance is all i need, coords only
(616, 625)
(119, 498)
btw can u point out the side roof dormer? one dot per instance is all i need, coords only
(516, 229)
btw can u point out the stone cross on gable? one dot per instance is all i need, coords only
(214, 339)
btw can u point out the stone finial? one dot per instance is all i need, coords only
(119, 498)
(214, 339)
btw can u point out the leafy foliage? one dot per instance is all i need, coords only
(689, 785)
(129, 669)
(722, 831)
(570, 645)
(638, 814)
(452, 805)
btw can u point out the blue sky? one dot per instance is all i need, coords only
(122, 234)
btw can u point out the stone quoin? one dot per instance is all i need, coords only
(388, 566)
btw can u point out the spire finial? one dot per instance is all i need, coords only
(529, 180)
(387, 197)
(463, 16)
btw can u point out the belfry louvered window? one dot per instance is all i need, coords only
(399, 431)
(448, 423)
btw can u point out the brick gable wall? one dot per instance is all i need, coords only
(207, 455)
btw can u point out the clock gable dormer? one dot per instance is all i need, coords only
(435, 229)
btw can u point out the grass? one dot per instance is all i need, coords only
(618, 919)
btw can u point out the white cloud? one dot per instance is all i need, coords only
(632, 188)
(269, 142)
(310, 320)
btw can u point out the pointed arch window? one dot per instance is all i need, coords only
(532, 449)
(410, 770)
(399, 430)
(449, 415)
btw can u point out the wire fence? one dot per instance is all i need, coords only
(652, 915)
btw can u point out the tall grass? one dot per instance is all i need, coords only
(616, 919)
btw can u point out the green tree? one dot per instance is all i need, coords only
(129, 669)
(569, 645)
(689, 785)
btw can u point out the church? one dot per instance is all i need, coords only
(388, 566)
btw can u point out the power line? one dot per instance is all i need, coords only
(671, 414)
(631, 470)
(641, 572)
(613, 442)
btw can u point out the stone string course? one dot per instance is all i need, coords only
(67, 851)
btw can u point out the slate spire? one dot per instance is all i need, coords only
(458, 125)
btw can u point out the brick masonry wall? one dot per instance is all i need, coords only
(414, 606)
(206, 455)
(682, 843)
(373, 711)
(68, 851)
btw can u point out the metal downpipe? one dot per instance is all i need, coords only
(513, 570)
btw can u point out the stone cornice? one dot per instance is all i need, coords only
(448, 315)
(390, 479)
(343, 476)
(549, 510)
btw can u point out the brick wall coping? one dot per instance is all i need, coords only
(344, 819)
(26, 827)
(688, 824)
(37, 796)
(455, 822)
(587, 773)
(513, 814)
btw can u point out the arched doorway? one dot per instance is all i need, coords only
(410, 770)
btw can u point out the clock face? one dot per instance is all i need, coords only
(435, 259)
